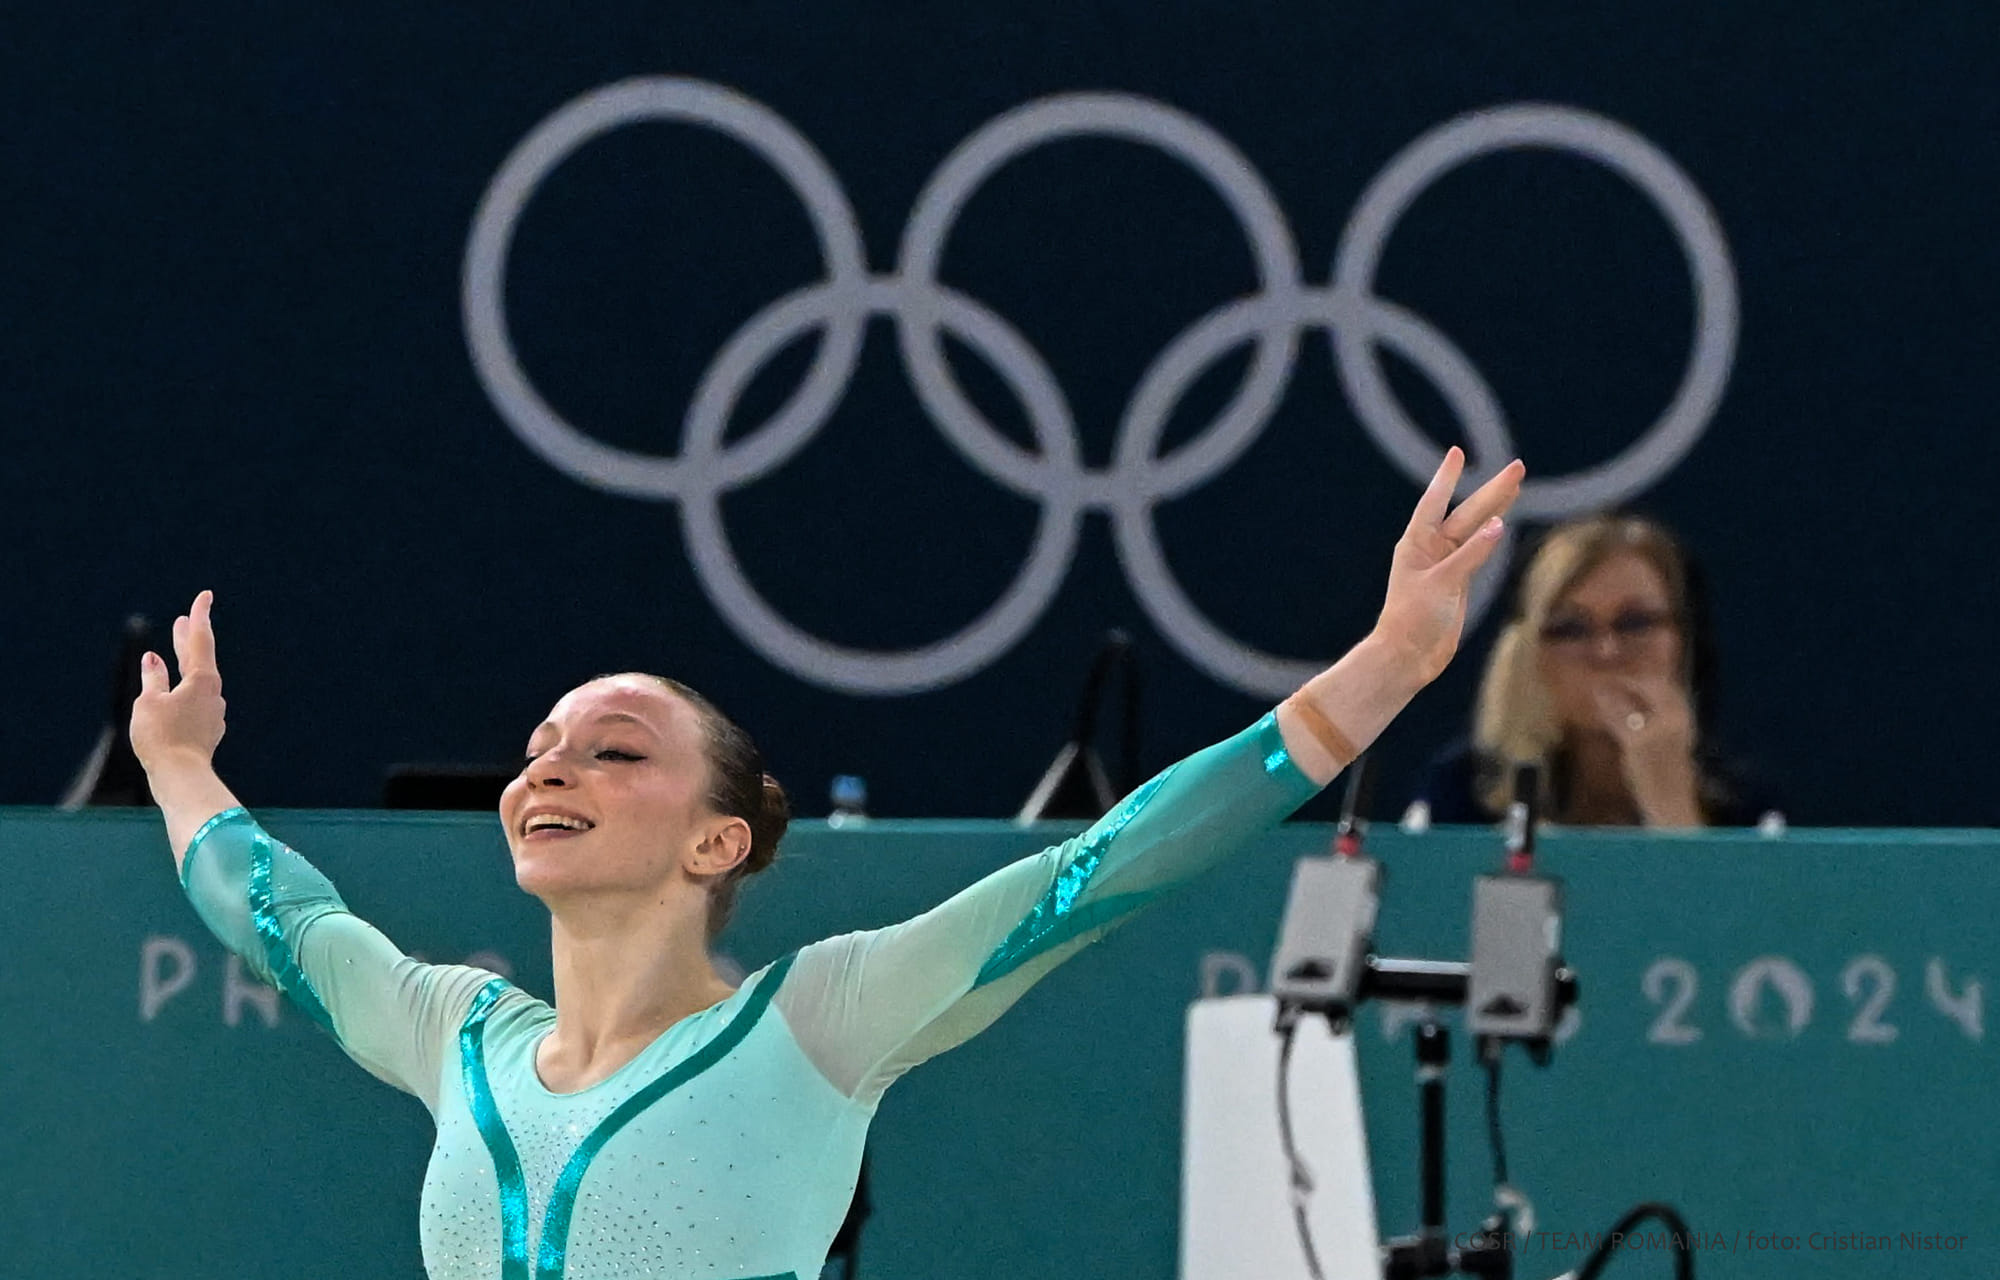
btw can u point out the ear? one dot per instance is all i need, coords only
(722, 849)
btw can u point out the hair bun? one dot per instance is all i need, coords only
(739, 787)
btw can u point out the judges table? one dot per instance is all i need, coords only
(1784, 1038)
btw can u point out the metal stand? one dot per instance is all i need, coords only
(1514, 989)
(1429, 1253)
(1076, 785)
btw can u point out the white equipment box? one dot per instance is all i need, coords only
(1237, 1221)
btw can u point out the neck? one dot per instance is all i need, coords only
(626, 969)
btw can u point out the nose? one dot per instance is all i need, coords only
(546, 770)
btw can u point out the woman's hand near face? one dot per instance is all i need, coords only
(1653, 725)
(175, 728)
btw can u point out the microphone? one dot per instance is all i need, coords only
(1322, 960)
(1517, 989)
(1353, 828)
(1521, 818)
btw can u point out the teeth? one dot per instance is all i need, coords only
(541, 821)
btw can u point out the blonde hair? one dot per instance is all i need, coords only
(1514, 720)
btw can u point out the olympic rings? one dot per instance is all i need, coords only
(923, 309)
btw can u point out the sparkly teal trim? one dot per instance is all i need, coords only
(201, 834)
(553, 1254)
(1055, 919)
(1271, 743)
(1067, 929)
(485, 1115)
(278, 952)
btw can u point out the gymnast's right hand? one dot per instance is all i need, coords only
(178, 726)
(175, 729)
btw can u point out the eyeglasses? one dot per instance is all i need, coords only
(1631, 627)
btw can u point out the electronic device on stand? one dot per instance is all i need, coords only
(1514, 989)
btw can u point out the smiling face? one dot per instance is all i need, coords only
(1615, 623)
(614, 797)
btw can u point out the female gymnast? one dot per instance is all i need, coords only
(656, 1121)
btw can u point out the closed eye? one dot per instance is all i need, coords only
(1639, 623)
(609, 753)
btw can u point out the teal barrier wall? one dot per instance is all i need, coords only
(1784, 1038)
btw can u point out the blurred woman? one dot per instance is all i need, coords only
(1603, 678)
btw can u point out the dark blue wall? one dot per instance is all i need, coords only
(234, 357)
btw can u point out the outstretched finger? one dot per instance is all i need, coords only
(180, 634)
(1437, 494)
(152, 673)
(200, 655)
(1458, 567)
(1491, 499)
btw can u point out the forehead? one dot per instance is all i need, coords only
(1623, 577)
(627, 700)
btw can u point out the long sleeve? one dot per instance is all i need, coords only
(867, 1007)
(392, 1014)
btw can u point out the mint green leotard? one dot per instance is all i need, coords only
(728, 1148)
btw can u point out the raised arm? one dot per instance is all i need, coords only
(868, 1006)
(263, 901)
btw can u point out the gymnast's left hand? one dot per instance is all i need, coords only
(1430, 575)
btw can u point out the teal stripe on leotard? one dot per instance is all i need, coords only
(278, 955)
(553, 1254)
(1055, 919)
(1271, 742)
(277, 951)
(506, 1162)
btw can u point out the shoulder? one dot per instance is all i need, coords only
(817, 967)
(482, 996)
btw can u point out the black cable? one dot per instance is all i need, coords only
(1606, 1249)
(1494, 1137)
(1302, 1183)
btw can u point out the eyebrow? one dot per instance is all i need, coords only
(625, 716)
(1572, 612)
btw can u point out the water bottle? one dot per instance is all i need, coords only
(849, 798)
